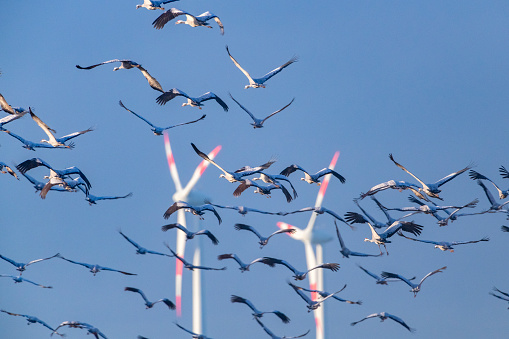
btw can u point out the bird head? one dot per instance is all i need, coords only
(138, 6)
(179, 22)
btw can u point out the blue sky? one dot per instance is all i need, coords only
(425, 81)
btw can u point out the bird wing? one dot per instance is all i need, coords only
(167, 302)
(430, 274)
(504, 228)
(102, 63)
(8, 169)
(209, 235)
(277, 70)
(175, 225)
(245, 227)
(409, 227)
(269, 332)
(469, 242)
(399, 320)
(12, 117)
(370, 273)
(420, 240)
(30, 164)
(5, 106)
(504, 172)
(499, 291)
(213, 210)
(231, 256)
(185, 329)
(251, 81)
(299, 336)
(335, 215)
(37, 260)
(139, 116)
(168, 95)
(341, 242)
(10, 260)
(73, 135)
(244, 185)
(326, 171)
(114, 270)
(237, 299)
(451, 176)
(245, 109)
(128, 239)
(151, 80)
(298, 290)
(499, 297)
(210, 96)
(290, 169)
(276, 112)
(78, 263)
(206, 158)
(137, 290)
(170, 14)
(287, 194)
(186, 123)
(397, 276)
(368, 317)
(174, 207)
(285, 230)
(355, 218)
(207, 16)
(404, 169)
(114, 197)
(331, 266)
(487, 192)
(42, 125)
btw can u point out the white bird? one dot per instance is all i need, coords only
(258, 123)
(196, 210)
(478, 176)
(189, 234)
(311, 304)
(260, 82)
(257, 313)
(159, 130)
(78, 324)
(190, 266)
(299, 275)
(39, 185)
(153, 4)
(191, 20)
(139, 249)
(239, 174)
(6, 169)
(32, 320)
(243, 210)
(191, 101)
(320, 210)
(345, 251)
(9, 109)
(19, 279)
(444, 245)
(415, 287)
(495, 206)
(383, 316)
(504, 296)
(31, 145)
(243, 267)
(54, 180)
(324, 294)
(263, 240)
(263, 190)
(128, 64)
(272, 335)
(148, 303)
(194, 335)
(379, 280)
(397, 185)
(10, 118)
(312, 178)
(96, 268)
(21, 267)
(432, 189)
(274, 179)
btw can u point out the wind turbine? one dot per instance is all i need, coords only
(194, 198)
(309, 236)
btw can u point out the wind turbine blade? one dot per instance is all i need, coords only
(180, 249)
(199, 171)
(319, 312)
(197, 291)
(171, 162)
(313, 285)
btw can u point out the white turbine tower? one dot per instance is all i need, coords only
(194, 198)
(309, 236)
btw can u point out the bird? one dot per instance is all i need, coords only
(92, 199)
(260, 82)
(434, 208)
(128, 64)
(397, 185)
(503, 172)
(139, 249)
(320, 210)
(159, 130)
(502, 194)
(258, 123)
(55, 142)
(191, 101)
(383, 316)
(148, 303)
(21, 267)
(312, 178)
(273, 336)
(9, 109)
(429, 209)
(324, 294)
(495, 206)
(299, 275)
(153, 4)
(504, 296)
(444, 245)
(189, 234)
(432, 190)
(274, 179)
(190, 266)
(345, 251)
(379, 280)
(196, 210)
(78, 324)
(194, 335)
(39, 185)
(53, 180)
(257, 313)
(19, 279)
(352, 216)
(10, 118)
(243, 210)
(415, 287)
(311, 304)
(31, 145)
(243, 267)
(6, 169)
(96, 268)
(263, 190)
(33, 320)
(191, 20)
(263, 240)
(239, 174)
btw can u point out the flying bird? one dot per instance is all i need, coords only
(319, 210)
(196, 210)
(257, 313)
(274, 179)
(78, 324)
(397, 185)
(272, 335)
(432, 189)
(312, 178)
(429, 209)
(6, 169)
(415, 287)
(263, 190)
(495, 206)
(191, 20)
(190, 235)
(345, 251)
(324, 294)
(299, 275)
(444, 245)
(190, 266)
(263, 240)
(258, 123)
(159, 130)
(243, 267)
(153, 4)
(32, 145)
(504, 296)
(243, 210)
(311, 304)
(383, 316)
(191, 101)
(139, 249)
(379, 280)
(148, 303)
(478, 176)
(21, 267)
(9, 109)
(19, 279)
(96, 268)
(92, 199)
(33, 320)
(260, 82)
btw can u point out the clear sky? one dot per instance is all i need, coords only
(423, 80)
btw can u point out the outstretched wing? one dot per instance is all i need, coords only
(251, 81)
(167, 96)
(151, 80)
(164, 18)
(102, 63)
(277, 70)
(276, 112)
(212, 96)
